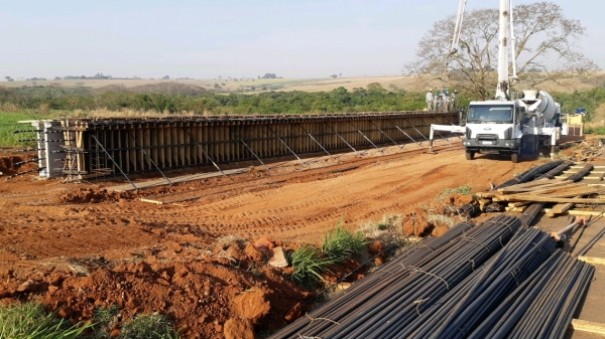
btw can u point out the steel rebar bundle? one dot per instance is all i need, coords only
(405, 287)
(494, 280)
(418, 255)
(535, 172)
(543, 306)
(509, 268)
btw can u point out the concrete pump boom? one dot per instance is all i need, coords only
(458, 27)
(503, 87)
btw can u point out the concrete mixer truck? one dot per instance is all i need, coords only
(513, 127)
(504, 125)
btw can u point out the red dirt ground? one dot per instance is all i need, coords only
(75, 247)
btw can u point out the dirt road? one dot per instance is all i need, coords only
(44, 219)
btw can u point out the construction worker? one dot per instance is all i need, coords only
(453, 100)
(429, 100)
(445, 99)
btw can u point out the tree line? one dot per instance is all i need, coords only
(372, 99)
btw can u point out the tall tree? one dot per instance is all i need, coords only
(543, 35)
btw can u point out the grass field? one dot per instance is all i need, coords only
(9, 124)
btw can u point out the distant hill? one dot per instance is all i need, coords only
(250, 86)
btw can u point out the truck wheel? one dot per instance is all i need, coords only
(470, 155)
(514, 157)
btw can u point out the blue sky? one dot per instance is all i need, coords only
(233, 38)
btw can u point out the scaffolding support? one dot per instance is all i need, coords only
(407, 135)
(114, 162)
(286, 145)
(254, 154)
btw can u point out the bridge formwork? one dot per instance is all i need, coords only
(86, 148)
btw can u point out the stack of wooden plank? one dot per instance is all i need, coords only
(580, 188)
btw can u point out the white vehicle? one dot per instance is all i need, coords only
(504, 125)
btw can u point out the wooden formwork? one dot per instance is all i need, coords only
(110, 146)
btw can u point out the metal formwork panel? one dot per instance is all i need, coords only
(141, 145)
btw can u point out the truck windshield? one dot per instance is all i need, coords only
(486, 113)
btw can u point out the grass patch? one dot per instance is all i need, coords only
(389, 230)
(105, 319)
(594, 130)
(309, 263)
(30, 320)
(464, 190)
(148, 326)
(9, 124)
(341, 244)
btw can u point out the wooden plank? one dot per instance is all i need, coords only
(552, 189)
(537, 198)
(587, 178)
(580, 213)
(560, 209)
(592, 260)
(588, 326)
(573, 193)
(157, 202)
(538, 189)
(582, 166)
(574, 172)
(567, 192)
(519, 203)
(488, 194)
(520, 209)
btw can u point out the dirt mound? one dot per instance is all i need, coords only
(201, 297)
(92, 195)
(238, 329)
(437, 218)
(416, 223)
(251, 305)
(13, 164)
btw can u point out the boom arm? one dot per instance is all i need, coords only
(458, 27)
(503, 87)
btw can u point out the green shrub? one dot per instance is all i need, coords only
(383, 226)
(594, 130)
(148, 326)
(341, 244)
(30, 320)
(466, 189)
(309, 263)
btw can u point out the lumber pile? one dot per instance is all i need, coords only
(565, 187)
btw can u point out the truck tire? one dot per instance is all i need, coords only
(514, 158)
(470, 155)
